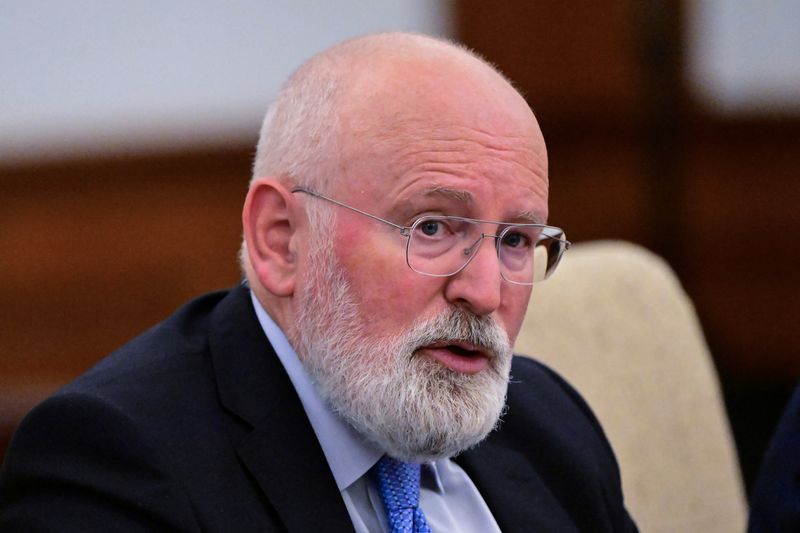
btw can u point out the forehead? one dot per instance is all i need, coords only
(472, 159)
(440, 131)
(416, 129)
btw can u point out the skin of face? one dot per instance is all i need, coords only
(427, 137)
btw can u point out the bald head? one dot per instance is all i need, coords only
(372, 85)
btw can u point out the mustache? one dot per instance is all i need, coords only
(458, 325)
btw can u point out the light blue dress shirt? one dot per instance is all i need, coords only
(449, 499)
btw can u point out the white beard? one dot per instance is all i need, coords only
(411, 406)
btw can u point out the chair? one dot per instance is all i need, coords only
(615, 322)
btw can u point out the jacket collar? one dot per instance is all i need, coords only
(278, 446)
(517, 496)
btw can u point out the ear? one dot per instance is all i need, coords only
(269, 219)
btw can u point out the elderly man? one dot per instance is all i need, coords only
(359, 380)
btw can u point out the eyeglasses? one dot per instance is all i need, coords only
(443, 246)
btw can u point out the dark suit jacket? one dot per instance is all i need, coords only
(195, 426)
(775, 501)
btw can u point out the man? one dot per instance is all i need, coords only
(352, 382)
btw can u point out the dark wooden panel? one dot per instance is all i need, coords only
(597, 190)
(96, 251)
(571, 59)
(742, 259)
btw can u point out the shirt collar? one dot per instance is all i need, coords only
(349, 455)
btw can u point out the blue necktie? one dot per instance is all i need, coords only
(398, 484)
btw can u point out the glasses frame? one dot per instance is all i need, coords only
(407, 231)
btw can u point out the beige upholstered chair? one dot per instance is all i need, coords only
(616, 323)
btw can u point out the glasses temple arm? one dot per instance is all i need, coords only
(403, 229)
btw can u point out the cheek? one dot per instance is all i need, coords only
(389, 294)
(512, 312)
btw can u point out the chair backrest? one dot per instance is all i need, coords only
(615, 322)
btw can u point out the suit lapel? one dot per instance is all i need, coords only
(289, 466)
(280, 451)
(511, 487)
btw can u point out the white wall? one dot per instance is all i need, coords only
(744, 55)
(94, 76)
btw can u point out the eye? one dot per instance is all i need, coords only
(430, 227)
(515, 239)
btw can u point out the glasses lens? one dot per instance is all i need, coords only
(516, 248)
(529, 254)
(549, 251)
(440, 246)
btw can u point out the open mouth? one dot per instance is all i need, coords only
(463, 352)
(458, 356)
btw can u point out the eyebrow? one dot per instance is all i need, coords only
(523, 217)
(450, 193)
(529, 217)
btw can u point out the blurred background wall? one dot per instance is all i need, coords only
(126, 133)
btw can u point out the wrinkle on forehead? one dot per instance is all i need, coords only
(516, 151)
(465, 197)
(469, 128)
(412, 116)
(444, 136)
(461, 154)
(449, 143)
(492, 156)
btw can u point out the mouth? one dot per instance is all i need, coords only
(458, 356)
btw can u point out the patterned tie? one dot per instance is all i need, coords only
(398, 484)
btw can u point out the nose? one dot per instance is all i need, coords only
(477, 288)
